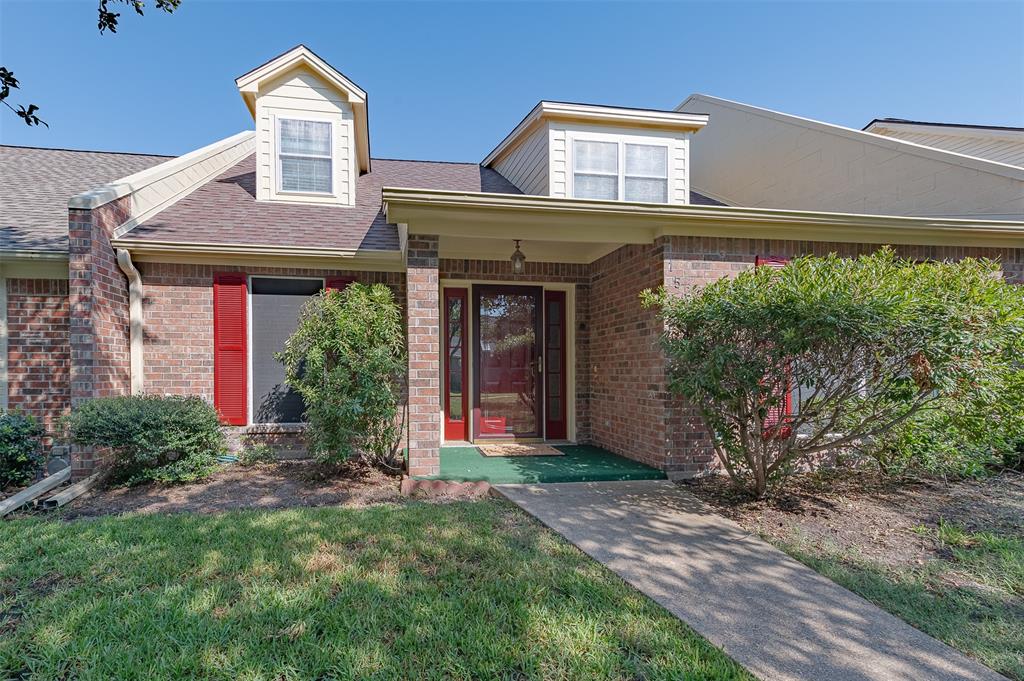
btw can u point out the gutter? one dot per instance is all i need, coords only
(136, 321)
(451, 212)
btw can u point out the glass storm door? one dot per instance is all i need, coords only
(507, 364)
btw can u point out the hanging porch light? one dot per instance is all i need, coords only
(518, 260)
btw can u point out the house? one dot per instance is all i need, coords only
(126, 273)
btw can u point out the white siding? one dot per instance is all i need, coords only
(753, 157)
(526, 166)
(560, 138)
(300, 94)
(981, 146)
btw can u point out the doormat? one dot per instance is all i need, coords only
(518, 449)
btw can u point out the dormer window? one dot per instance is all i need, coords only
(612, 169)
(304, 157)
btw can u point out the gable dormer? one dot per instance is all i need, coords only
(586, 151)
(312, 136)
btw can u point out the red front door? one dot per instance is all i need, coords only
(507, 362)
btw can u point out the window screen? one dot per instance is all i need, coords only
(276, 304)
(305, 156)
(646, 173)
(595, 170)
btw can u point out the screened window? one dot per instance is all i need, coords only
(646, 173)
(276, 304)
(613, 170)
(595, 170)
(304, 156)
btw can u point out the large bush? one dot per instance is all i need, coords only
(862, 346)
(973, 433)
(347, 359)
(151, 438)
(20, 456)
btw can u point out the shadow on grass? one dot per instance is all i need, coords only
(464, 590)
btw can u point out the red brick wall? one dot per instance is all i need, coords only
(628, 397)
(178, 311)
(98, 292)
(38, 349)
(424, 326)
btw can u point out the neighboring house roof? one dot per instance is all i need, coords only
(35, 185)
(1002, 144)
(749, 156)
(225, 210)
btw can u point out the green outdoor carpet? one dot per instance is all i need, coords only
(581, 463)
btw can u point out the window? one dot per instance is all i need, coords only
(595, 170)
(304, 156)
(597, 165)
(646, 173)
(275, 308)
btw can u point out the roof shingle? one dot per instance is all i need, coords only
(35, 185)
(225, 210)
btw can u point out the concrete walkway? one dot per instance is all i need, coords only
(770, 613)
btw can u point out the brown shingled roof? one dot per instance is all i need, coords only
(225, 210)
(35, 185)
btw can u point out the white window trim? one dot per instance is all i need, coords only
(277, 154)
(248, 340)
(667, 144)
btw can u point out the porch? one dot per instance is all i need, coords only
(578, 463)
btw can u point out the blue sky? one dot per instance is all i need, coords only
(448, 81)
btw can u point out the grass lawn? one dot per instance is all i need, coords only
(972, 598)
(462, 590)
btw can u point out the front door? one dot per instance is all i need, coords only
(507, 362)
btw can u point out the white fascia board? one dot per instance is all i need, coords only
(893, 143)
(242, 144)
(293, 57)
(596, 114)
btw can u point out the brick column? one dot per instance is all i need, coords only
(423, 307)
(98, 323)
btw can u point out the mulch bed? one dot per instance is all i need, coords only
(285, 484)
(872, 515)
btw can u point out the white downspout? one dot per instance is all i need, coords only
(136, 324)
(3, 340)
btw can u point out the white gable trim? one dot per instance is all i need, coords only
(301, 56)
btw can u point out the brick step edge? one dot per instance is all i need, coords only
(444, 488)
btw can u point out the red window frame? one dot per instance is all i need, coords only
(556, 430)
(456, 429)
(776, 422)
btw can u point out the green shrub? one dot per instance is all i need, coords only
(347, 359)
(971, 434)
(864, 346)
(20, 455)
(253, 454)
(151, 438)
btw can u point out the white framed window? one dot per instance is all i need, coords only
(304, 160)
(646, 173)
(595, 169)
(614, 170)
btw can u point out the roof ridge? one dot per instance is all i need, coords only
(420, 160)
(86, 151)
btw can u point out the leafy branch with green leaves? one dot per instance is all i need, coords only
(108, 21)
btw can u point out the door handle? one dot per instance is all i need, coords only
(540, 364)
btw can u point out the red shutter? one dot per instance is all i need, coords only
(230, 348)
(337, 283)
(777, 416)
